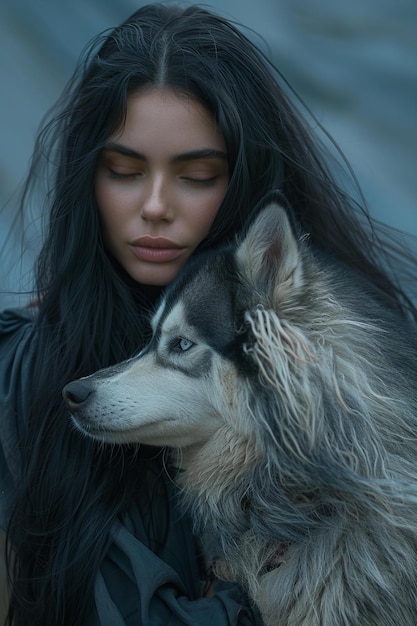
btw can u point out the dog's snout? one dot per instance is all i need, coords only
(76, 393)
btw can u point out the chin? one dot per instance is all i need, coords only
(157, 277)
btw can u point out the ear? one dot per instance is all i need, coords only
(269, 255)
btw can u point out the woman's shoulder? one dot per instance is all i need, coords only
(16, 332)
(16, 352)
(17, 347)
(14, 319)
(16, 327)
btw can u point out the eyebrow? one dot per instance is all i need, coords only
(192, 155)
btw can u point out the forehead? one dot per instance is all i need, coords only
(204, 302)
(159, 118)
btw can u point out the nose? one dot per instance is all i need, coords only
(76, 393)
(156, 204)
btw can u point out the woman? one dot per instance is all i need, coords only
(171, 130)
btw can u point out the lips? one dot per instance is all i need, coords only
(155, 249)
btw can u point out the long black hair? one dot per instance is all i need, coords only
(91, 314)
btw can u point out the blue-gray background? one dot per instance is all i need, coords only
(354, 63)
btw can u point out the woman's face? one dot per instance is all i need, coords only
(159, 184)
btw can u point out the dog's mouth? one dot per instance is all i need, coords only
(101, 433)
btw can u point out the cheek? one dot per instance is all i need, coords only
(111, 217)
(113, 207)
(104, 201)
(205, 216)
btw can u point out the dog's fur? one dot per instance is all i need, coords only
(290, 393)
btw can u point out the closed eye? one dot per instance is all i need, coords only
(124, 175)
(200, 181)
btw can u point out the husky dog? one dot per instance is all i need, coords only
(291, 396)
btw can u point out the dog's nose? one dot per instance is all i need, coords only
(76, 393)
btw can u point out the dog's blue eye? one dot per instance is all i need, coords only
(184, 344)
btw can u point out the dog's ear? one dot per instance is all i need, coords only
(269, 255)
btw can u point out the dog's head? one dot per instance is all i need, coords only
(252, 342)
(181, 388)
